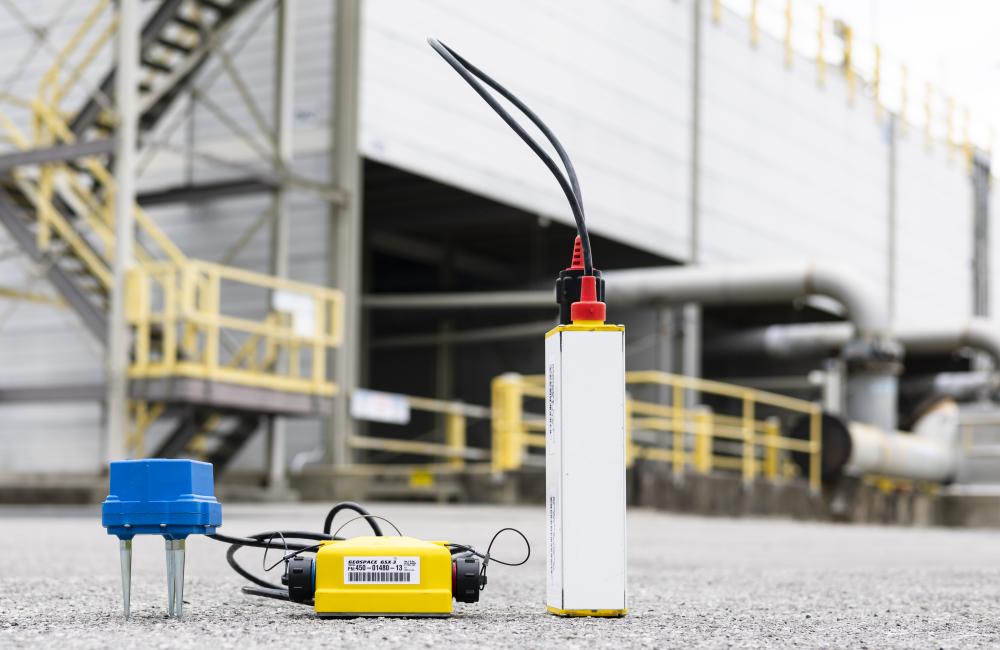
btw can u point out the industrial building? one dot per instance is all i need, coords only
(334, 268)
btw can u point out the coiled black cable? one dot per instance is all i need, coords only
(278, 539)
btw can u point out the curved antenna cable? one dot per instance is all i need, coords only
(571, 187)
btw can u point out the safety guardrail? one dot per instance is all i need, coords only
(446, 446)
(683, 435)
(180, 322)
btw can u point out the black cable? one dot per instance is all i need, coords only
(531, 115)
(356, 507)
(570, 188)
(266, 541)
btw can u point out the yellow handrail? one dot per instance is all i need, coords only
(758, 445)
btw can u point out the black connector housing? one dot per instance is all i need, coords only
(568, 291)
(467, 579)
(299, 578)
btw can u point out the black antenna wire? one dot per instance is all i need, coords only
(571, 187)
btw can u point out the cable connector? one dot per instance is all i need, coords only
(568, 284)
(588, 308)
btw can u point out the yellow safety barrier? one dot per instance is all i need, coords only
(179, 321)
(682, 436)
(447, 445)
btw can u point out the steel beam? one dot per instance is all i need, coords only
(196, 193)
(284, 98)
(345, 247)
(126, 105)
(57, 153)
(54, 393)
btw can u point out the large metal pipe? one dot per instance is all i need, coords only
(752, 284)
(929, 453)
(872, 358)
(708, 285)
(784, 341)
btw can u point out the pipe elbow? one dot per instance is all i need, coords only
(864, 308)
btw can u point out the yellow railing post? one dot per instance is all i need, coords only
(749, 449)
(678, 412)
(820, 46)
(703, 442)
(789, 52)
(507, 423)
(754, 25)
(213, 334)
(137, 313)
(716, 11)
(847, 36)
(772, 431)
(816, 450)
(455, 437)
(318, 352)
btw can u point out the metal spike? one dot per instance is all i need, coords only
(175, 577)
(125, 555)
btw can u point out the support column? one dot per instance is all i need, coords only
(981, 180)
(345, 245)
(126, 104)
(284, 114)
(891, 261)
(691, 342)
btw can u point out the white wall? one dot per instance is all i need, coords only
(611, 78)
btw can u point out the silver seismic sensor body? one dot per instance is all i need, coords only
(584, 406)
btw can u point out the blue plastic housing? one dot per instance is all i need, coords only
(159, 496)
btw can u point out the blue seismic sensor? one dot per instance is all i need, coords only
(172, 498)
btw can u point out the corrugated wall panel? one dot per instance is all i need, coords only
(620, 105)
(791, 170)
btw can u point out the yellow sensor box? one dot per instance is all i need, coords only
(383, 576)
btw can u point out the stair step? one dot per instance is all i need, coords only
(156, 65)
(189, 24)
(221, 9)
(174, 45)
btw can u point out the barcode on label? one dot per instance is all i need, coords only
(381, 570)
(379, 576)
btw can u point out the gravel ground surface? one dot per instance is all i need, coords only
(694, 582)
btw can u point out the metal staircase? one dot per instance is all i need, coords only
(210, 376)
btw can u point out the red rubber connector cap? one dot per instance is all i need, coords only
(577, 263)
(588, 307)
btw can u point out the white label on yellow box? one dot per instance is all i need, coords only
(378, 570)
(585, 470)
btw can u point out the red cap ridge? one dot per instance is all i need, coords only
(588, 307)
(577, 262)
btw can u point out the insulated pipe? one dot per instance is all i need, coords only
(709, 285)
(929, 453)
(872, 358)
(752, 284)
(818, 338)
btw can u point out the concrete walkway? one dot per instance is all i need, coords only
(694, 582)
